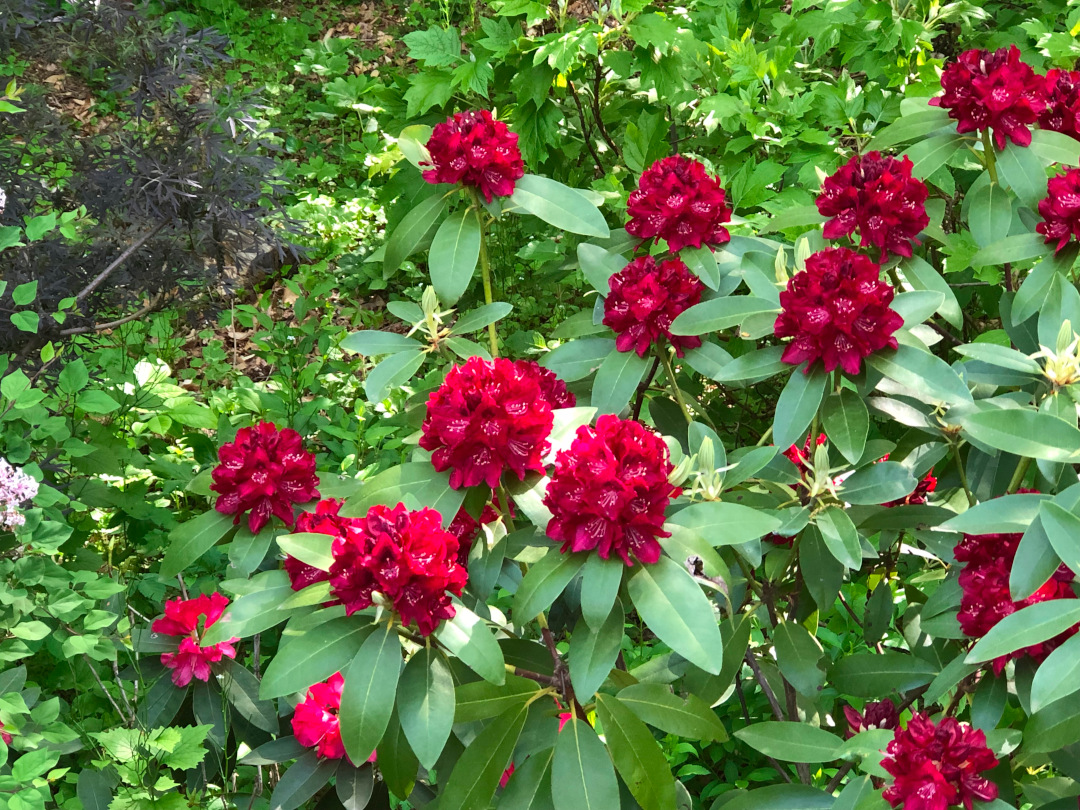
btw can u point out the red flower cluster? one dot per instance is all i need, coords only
(645, 298)
(266, 471)
(837, 311)
(878, 196)
(938, 765)
(407, 557)
(491, 416)
(609, 491)
(192, 660)
(1060, 209)
(466, 529)
(1062, 113)
(993, 89)
(315, 722)
(678, 200)
(986, 599)
(474, 149)
(881, 714)
(324, 520)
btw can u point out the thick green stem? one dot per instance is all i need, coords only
(962, 473)
(675, 392)
(485, 271)
(989, 156)
(1018, 476)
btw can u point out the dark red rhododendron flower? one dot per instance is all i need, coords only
(993, 89)
(474, 149)
(645, 298)
(407, 557)
(192, 660)
(837, 310)
(466, 529)
(878, 196)
(881, 714)
(1062, 113)
(678, 200)
(986, 600)
(609, 491)
(936, 766)
(1060, 209)
(552, 389)
(264, 472)
(315, 723)
(324, 520)
(491, 416)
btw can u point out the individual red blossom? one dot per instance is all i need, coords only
(936, 766)
(679, 201)
(263, 472)
(192, 659)
(407, 557)
(837, 310)
(881, 714)
(1060, 209)
(986, 599)
(466, 529)
(645, 298)
(552, 389)
(1062, 113)
(878, 196)
(609, 491)
(488, 417)
(315, 722)
(474, 149)
(984, 89)
(324, 520)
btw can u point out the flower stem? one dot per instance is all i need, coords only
(675, 392)
(963, 473)
(485, 271)
(989, 157)
(1018, 476)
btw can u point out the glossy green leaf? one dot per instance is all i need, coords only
(922, 276)
(453, 255)
(989, 214)
(303, 779)
(1029, 625)
(577, 359)
(840, 536)
(797, 216)
(599, 265)
(1058, 676)
(616, 381)
(241, 688)
(565, 208)
(846, 422)
(1001, 356)
(593, 653)
(1063, 530)
(600, 580)
(791, 741)
(1011, 249)
(702, 263)
(1055, 147)
(190, 540)
(479, 700)
(394, 371)
(656, 705)
(798, 405)
(476, 319)
(1020, 169)
(1008, 513)
(782, 797)
(876, 675)
(467, 637)
(367, 698)
(413, 229)
(425, 700)
(719, 313)
(1025, 432)
(312, 656)
(1036, 286)
(911, 127)
(544, 582)
(529, 787)
(798, 655)
(637, 756)
(247, 550)
(928, 377)
(354, 786)
(582, 775)
(398, 763)
(417, 478)
(929, 155)
(308, 547)
(726, 524)
(878, 483)
(757, 364)
(476, 775)
(372, 343)
(1055, 727)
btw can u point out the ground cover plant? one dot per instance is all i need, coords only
(695, 453)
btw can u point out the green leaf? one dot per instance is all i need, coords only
(989, 214)
(726, 524)
(757, 364)
(797, 216)
(301, 781)
(425, 701)
(413, 144)
(874, 675)
(579, 358)
(1058, 676)
(922, 276)
(655, 704)
(23, 294)
(391, 373)
(600, 580)
(1053, 728)
(878, 483)
(96, 402)
(242, 690)
(846, 422)
(791, 741)
(37, 227)
(437, 47)
(373, 342)
(798, 405)
(719, 313)
(582, 776)
(432, 88)
(453, 255)
(840, 536)
(1009, 513)
(189, 541)
(930, 155)
(593, 653)
(308, 547)
(1035, 562)
(599, 265)
(638, 759)
(1036, 287)
(923, 373)
(467, 637)
(1000, 356)
(480, 317)
(799, 654)
(247, 550)
(1055, 147)
(546, 580)
(1020, 169)
(413, 229)
(416, 478)
(565, 208)
(354, 786)
(74, 377)
(479, 700)
(28, 321)
(282, 749)
(911, 127)
(702, 263)
(1024, 432)
(1030, 625)
(311, 656)
(254, 612)
(917, 305)
(530, 786)
(94, 789)
(1063, 530)
(397, 761)
(617, 380)
(673, 606)
(476, 774)
(1011, 249)
(367, 699)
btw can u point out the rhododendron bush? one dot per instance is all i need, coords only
(590, 555)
